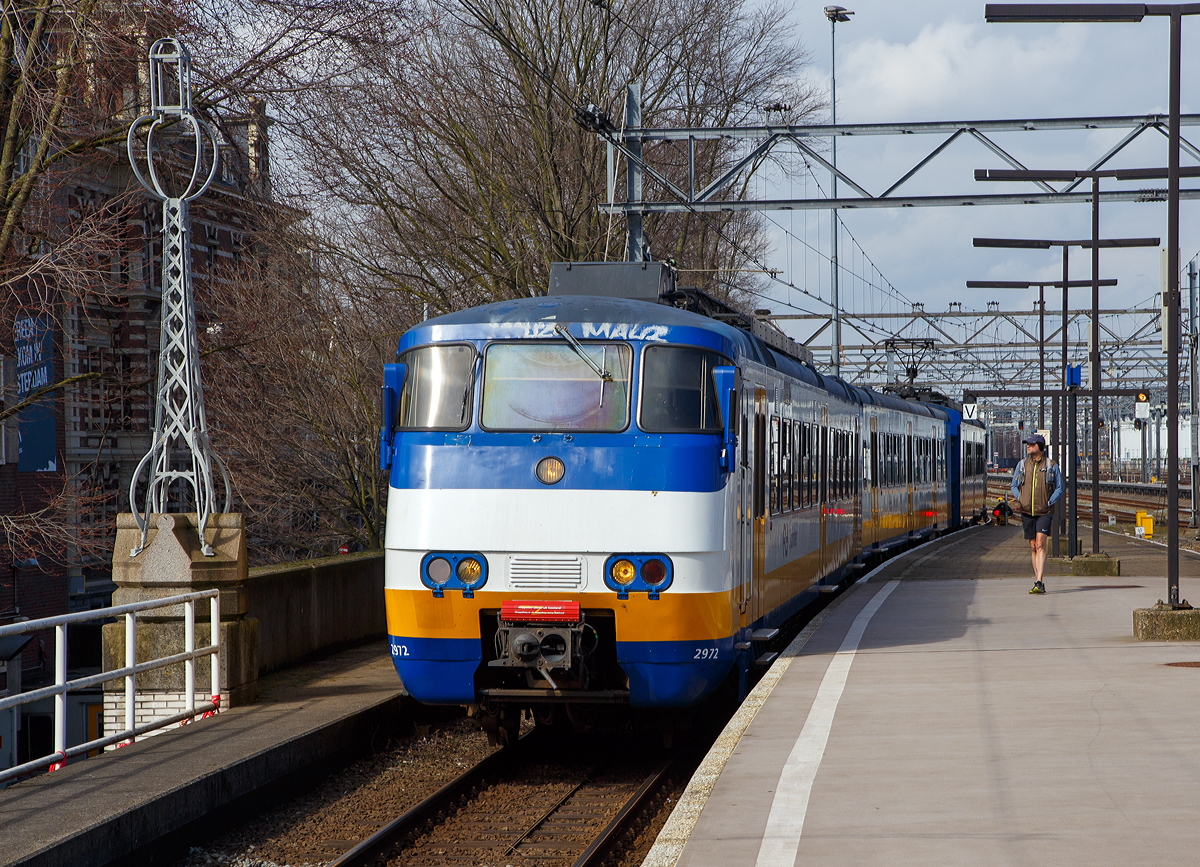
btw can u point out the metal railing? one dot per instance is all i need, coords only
(132, 668)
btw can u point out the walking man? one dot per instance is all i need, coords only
(1037, 485)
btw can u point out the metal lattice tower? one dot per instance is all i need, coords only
(180, 449)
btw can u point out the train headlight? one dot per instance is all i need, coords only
(452, 570)
(651, 574)
(623, 572)
(654, 572)
(469, 570)
(439, 570)
(550, 471)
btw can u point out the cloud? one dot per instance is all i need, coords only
(952, 68)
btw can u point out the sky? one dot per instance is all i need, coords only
(938, 60)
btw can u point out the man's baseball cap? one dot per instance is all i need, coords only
(1035, 440)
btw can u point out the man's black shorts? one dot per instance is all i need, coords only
(1041, 524)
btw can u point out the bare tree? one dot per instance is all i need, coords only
(74, 236)
(453, 166)
(292, 366)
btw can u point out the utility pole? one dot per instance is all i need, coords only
(635, 244)
(834, 14)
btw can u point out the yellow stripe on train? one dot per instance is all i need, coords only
(672, 617)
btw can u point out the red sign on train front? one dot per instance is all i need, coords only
(540, 612)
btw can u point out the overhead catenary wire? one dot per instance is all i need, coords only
(608, 132)
(607, 6)
(609, 135)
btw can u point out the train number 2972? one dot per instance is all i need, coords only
(705, 653)
(399, 650)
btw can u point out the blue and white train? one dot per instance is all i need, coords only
(606, 500)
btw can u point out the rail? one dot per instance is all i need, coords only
(375, 848)
(132, 668)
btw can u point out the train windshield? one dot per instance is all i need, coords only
(551, 387)
(678, 391)
(437, 387)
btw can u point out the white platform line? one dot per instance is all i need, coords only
(786, 820)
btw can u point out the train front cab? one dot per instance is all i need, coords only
(624, 493)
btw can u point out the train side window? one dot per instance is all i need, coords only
(785, 450)
(808, 464)
(813, 456)
(843, 476)
(858, 467)
(847, 480)
(837, 465)
(795, 472)
(745, 443)
(874, 463)
(774, 465)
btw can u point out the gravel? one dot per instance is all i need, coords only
(316, 827)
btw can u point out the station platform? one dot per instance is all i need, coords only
(308, 719)
(939, 714)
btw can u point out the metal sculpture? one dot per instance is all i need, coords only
(180, 448)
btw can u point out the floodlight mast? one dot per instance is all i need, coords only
(1135, 12)
(834, 14)
(179, 448)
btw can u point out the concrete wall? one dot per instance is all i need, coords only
(315, 605)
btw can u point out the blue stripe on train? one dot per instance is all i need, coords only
(661, 673)
(620, 462)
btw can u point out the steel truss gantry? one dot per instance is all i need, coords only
(803, 138)
(994, 348)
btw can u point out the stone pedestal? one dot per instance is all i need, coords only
(172, 564)
(1095, 564)
(1164, 623)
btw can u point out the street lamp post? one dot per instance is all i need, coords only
(1068, 418)
(1135, 12)
(1068, 428)
(834, 14)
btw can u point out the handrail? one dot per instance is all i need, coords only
(103, 613)
(132, 668)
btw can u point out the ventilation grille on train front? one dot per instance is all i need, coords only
(545, 573)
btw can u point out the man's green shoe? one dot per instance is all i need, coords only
(1038, 587)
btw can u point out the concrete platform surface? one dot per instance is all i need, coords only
(307, 718)
(941, 715)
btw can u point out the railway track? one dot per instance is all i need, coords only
(535, 802)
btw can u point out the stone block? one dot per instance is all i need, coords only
(1095, 564)
(1163, 623)
(173, 563)
(238, 662)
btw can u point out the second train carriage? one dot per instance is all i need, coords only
(598, 499)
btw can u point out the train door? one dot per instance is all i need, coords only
(873, 489)
(823, 457)
(759, 524)
(933, 472)
(857, 471)
(744, 536)
(912, 523)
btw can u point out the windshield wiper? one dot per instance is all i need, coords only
(462, 415)
(574, 344)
